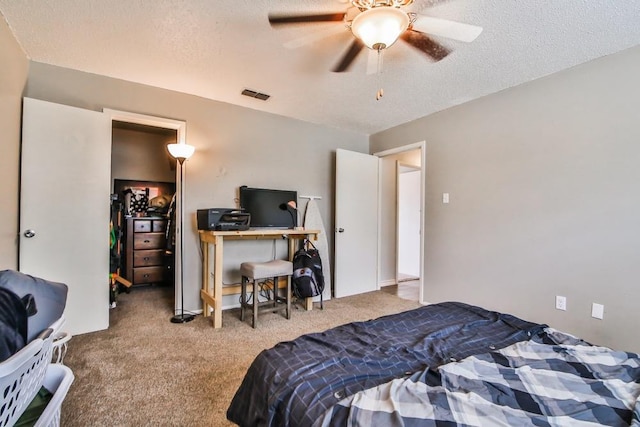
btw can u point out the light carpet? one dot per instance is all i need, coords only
(146, 371)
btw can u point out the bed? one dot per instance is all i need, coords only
(439, 365)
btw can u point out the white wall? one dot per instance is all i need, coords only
(543, 180)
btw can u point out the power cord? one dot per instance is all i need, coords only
(266, 289)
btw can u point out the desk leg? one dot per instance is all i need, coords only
(217, 282)
(291, 247)
(206, 277)
(308, 302)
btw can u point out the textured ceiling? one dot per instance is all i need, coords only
(216, 48)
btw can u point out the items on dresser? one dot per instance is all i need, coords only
(146, 258)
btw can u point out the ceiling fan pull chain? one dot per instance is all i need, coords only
(380, 92)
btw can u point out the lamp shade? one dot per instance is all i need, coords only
(380, 27)
(181, 151)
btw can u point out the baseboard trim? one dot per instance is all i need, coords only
(389, 282)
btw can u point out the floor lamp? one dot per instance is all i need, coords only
(181, 152)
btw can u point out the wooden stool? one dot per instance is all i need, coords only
(255, 271)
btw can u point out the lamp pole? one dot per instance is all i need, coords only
(181, 152)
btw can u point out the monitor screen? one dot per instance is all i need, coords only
(268, 208)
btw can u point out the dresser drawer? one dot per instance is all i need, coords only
(149, 275)
(149, 225)
(159, 226)
(148, 241)
(142, 226)
(149, 257)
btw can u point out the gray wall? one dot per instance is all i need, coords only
(234, 146)
(13, 77)
(543, 180)
(141, 156)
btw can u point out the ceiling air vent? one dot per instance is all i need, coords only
(253, 94)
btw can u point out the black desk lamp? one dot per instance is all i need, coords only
(181, 152)
(291, 207)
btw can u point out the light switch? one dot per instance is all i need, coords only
(445, 197)
(597, 311)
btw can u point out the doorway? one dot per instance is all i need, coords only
(407, 158)
(408, 222)
(142, 167)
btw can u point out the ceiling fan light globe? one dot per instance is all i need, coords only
(380, 27)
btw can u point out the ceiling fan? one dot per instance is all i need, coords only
(378, 24)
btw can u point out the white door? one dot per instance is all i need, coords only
(408, 224)
(356, 234)
(64, 202)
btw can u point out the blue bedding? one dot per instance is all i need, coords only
(296, 382)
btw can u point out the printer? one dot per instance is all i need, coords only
(223, 219)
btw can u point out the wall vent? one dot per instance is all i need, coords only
(253, 94)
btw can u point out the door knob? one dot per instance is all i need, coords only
(29, 234)
(340, 230)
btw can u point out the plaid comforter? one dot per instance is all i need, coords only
(553, 379)
(294, 383)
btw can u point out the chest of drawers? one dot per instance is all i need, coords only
(146, 259)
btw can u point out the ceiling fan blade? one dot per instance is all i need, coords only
(445, 28)
(297, 19)
(426, 45)
(348, 57)
(315, 36)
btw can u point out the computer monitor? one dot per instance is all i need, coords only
(268, 208)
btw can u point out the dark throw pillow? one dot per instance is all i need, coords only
(13, 324)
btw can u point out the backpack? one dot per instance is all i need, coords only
(307, 278)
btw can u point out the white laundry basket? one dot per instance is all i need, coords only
(22, 375)
(57, 380)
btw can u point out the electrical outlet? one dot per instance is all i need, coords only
(597, 311)
(445, 198)
(561, 302)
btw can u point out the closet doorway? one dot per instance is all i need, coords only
(143, 185)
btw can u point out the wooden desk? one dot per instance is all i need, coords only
(211, 292)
